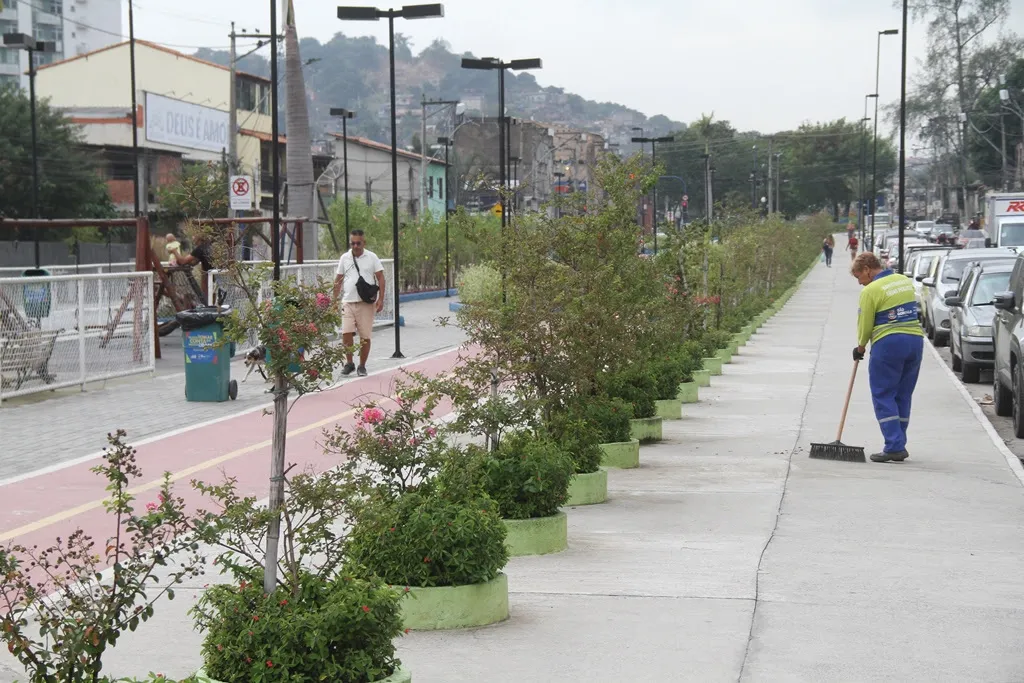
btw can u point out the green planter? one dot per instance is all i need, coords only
(724, 355)
(702, 378)
(689, 392)
(713, 365)
(669, 409)
(400, 676)
(588, 489)
(446, 607)
(734, 347)
(624, 455)
(645, 429)
(537, 535)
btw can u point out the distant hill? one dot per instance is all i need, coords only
(352, 72)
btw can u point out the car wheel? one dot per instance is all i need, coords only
(955, 359)
(1002, 398)
(1018, 410)
(940, 339)
(971, 372)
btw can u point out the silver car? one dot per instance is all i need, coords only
(943, 280)
(971, 312)
(918, 265)
(924, 228)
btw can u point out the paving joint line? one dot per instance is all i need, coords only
(785, 483)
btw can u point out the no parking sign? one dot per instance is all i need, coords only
(240, 192)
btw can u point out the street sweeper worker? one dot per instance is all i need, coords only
(888, 319)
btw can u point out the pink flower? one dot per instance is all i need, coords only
(431, 432)
(322, 300)
(413, 441)
(372, 415)
(161, 498)
(152, 507)
(311, 328)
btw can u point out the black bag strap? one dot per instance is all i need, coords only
(355, 262)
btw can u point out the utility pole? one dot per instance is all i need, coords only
(753, 181)
(771, 141)
(424, 103)
(707, 187)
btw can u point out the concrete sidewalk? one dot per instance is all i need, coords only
(730, 556)
(45, 430)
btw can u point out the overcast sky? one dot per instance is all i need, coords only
(762, 65)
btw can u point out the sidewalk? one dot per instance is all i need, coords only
(45, 430)
(731, 556)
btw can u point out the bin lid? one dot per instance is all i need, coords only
(35, 272)
(201, 316)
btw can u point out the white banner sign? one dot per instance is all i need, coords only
(240, 192)
(183, 124)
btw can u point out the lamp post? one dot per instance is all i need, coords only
(874, 154)
(903, 135)
(654, 190)
(558, 199)
(447, 142)
(32, 46)
(345, 115)
(374, 14)
(1004, 97)
(864, 163)
(492, 63)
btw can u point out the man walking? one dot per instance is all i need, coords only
(359, 302)
(888, 319)
(852, 243)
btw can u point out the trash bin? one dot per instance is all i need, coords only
(207, 358)
(36, 296)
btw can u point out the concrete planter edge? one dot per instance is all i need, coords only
(689, 392)
(646, 429)
(449, 607)
(537, 535)
(623, 455)
(669, 409)
(401, 675)
(702, 378)
(713, 365)
(590, 488)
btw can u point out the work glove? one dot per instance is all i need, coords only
(857, 353)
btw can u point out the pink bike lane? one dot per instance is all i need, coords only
(38, 509)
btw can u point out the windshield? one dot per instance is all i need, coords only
(988, 286)
(924, 264)
(948, 229)
(952, 271)
(967, 234)
(1011, 235)
(926, 224)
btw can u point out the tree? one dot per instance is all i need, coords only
(69, 185)
(199, 191)
(985, 147)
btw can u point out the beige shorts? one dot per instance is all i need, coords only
(357, 317)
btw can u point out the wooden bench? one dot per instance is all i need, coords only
(25, 356)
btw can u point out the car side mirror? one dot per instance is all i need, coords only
(928, 282)
(1004, 301)
(919, 278)
(954, 301)
(988, 242)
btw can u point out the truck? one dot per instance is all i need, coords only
(1004, 219)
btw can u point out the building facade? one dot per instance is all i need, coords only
(369, 176)
(76, 27)
(183, 115)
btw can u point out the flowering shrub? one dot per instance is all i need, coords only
(393, 447)
(479, 284)
(527, 476)
(63, 637)
(338, 629)
(433, 536)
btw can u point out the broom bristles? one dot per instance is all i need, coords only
(837, 450)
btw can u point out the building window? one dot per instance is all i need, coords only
(122, 170)
(54, 7)
(8, 80)
(9, 55)
(430, 191)
(440, 188)
(252, 96)
(48, 32)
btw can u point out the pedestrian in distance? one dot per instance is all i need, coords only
(888, 319)
(360, 282)
(827, 247)
(852, 245)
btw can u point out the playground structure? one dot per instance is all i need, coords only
(176, 284)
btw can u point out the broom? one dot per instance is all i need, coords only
(837, 450)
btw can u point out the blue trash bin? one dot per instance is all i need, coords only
(36, 296)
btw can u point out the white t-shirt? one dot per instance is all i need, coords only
(369, 266)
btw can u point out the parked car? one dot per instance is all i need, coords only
(923, 262)
(885, 241)
(967, 235)
(1008, 374)
(975, 243)
(941, 232)
(908, 242)
(943, 280)
(924, 228)
(971, 311)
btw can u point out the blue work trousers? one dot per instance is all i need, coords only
(892, 371)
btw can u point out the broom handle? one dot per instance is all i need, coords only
(846, 406)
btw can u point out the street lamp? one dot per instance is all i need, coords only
(447, 142)
(903, 138)
(491, 63)
(345, 115)
(32, 46)
(654, 191)
(864, 162)
(874, 159)
(374, 14)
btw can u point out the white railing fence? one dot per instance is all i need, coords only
(64, 269)
(68, 330)
(222, 288)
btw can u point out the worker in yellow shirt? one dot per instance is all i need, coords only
(888, 319)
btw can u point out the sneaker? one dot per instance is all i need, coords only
(898, 456)
(348, 369)
(361, 371)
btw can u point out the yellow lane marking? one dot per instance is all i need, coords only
(175, 476)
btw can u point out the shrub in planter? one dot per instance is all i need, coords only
(609, 416)
(338, 629)
(668, 374)
(576, 434)
(713, 340)
(479, 284)
(636, 385)
(527, 476)
(690, 357)
(430, 537)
